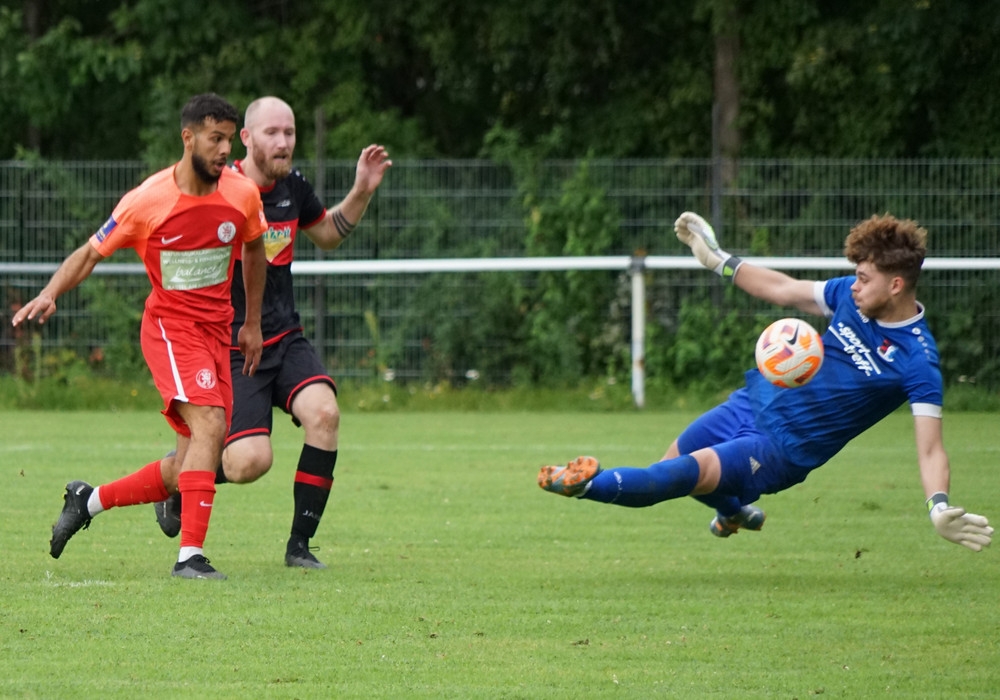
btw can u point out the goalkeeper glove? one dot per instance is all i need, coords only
(955, 525)
(696, 233)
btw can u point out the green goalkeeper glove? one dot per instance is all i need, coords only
(955, 525)
(697, 234)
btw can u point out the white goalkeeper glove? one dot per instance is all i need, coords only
(697, 234)
(955, 525)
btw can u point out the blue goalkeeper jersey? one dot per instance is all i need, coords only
(869, 370)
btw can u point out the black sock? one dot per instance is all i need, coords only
(313, 481)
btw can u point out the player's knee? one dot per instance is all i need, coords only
(207, 423)
(672, 451)
(247, 460)
(323, 415)
(247, 470)
(329, 415)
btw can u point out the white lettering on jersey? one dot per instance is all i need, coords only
(860, 353)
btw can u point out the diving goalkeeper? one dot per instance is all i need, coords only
(879, 354)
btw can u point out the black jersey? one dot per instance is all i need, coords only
(289, 204)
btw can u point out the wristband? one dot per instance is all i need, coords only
(939, 498)
(728, 267)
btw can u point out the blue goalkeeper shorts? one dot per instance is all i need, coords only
(751, 465)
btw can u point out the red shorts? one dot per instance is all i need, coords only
(190, 364)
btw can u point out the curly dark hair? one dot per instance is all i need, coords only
(894, 246)
(208, 106)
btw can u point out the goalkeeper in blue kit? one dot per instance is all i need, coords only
(879, 354)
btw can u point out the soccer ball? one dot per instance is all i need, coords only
(789, 353)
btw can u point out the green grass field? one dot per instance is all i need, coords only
(453, 576)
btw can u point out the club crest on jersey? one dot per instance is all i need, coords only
(227, 231)
(205, 378)
(886, 350)
(106, 229)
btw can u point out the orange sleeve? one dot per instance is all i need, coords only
(137, 215)
(256, 221)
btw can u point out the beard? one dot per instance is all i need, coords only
(271, 170)
(200, 166)
(874, 310)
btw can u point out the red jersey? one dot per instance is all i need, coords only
(187, 243)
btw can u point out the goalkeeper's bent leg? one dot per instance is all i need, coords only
(636, 488)
(726, 506)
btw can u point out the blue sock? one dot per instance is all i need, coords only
(637, 488)
(728, 506)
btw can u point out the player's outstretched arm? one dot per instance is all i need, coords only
(951, 522)
(74, 270)
(770, 285)
(339, 222)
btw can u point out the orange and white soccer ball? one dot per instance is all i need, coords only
(789, 353)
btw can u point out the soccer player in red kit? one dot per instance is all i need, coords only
(185, 223)
(291, 375)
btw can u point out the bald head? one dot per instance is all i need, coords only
(269, 135)
(264, 107)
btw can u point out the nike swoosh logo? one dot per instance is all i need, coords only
(205, 505)
(167, 241)
(795, 335)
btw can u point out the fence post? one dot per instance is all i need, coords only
(637, 269)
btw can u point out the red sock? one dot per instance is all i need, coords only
(197, 495)
(143, 486)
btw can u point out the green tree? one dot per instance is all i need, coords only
(68, 85)
(105, 78)
(569, 314)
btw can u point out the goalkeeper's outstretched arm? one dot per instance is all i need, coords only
(763, 283)
(951, 522)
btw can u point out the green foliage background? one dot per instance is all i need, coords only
(522, 83)
(503, 330)
(432, 78)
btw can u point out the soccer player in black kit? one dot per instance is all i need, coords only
(291, 375)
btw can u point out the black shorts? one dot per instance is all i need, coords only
(286, 367)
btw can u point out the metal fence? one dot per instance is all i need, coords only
(368, 324)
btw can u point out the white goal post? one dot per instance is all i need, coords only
(634, 265)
